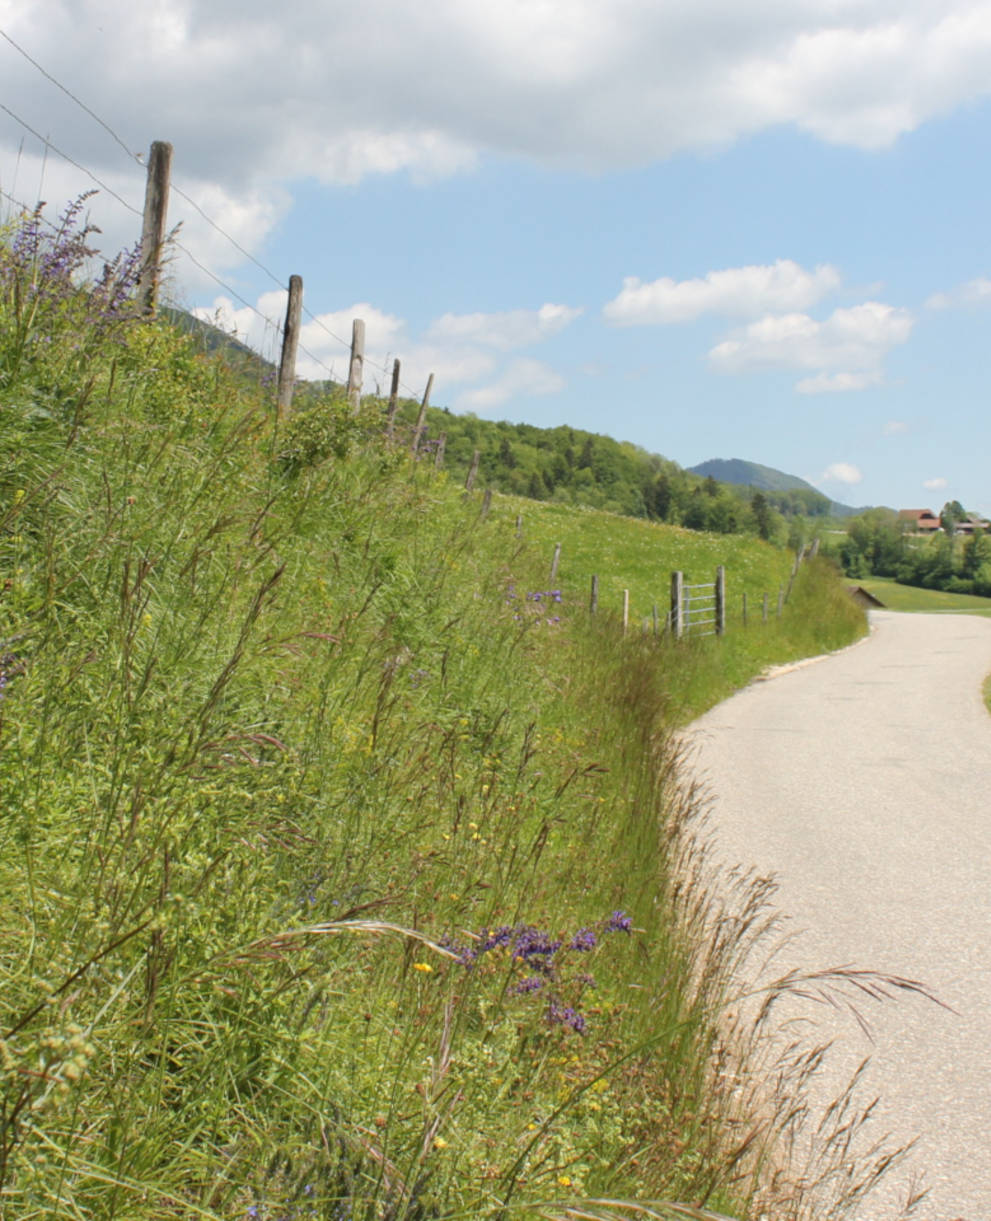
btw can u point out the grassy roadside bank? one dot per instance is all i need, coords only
(342, 872)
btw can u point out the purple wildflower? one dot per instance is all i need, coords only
(583, 940)
(619, 922)
(532, 983)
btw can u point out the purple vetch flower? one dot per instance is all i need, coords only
(619, 922)
(532, 983)
(584, 940)
(565, 1015)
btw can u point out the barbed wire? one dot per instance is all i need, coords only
(188, 199)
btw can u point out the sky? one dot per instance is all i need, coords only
(716, 228)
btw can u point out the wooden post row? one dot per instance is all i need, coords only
(720, 600)
(393, 402)
(593, 597)
(677, 593)
(290, 344)
(421, 419)
(473, 470)
(153, 224)
(356, 368)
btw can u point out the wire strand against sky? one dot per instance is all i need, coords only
(137, 157)
(277, 326)
(65, 157)
(69, 94)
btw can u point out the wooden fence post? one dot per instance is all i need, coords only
(473, 470)
(486, 504)
(421, 419)
(765, 608)
(519, 525)
(390, 425)
(720, 600)
(654, 614)
(626, 610)
(441, 446)
(555, 561)
(815, 549)
(677, 622)
(781, 600)
(744, 608)
(153, 224)
(290, 344)
(593, 597)
(356, 368)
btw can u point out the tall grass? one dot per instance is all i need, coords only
(340, 875)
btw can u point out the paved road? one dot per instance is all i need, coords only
(863, 782)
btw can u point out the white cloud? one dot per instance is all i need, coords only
(744, 292)
(524, 377)
(337, 92)
(836, 383)
(511, 329)
(934, 485)
(844, 352)
(894, 428)
(974, 292)
(445, 350)
(841, 472)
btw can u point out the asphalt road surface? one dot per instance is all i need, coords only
(862, 781)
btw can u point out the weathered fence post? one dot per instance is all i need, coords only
(153, 224)
(765, 607)
(519, 525)
(814, 550)
(593, 597)
(654, 614)
(290, 344)
(356, 368)
(677, 623)
(421, 419)
(720, 600)
(473, 470)
(555, 561)
(393, 401)
(626, 610)
(744, 609)
(441, 446)
(781, 600)
(486, 504)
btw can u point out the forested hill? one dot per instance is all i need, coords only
(572, 466)
(772, 482)
(563, 464)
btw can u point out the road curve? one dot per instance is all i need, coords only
(862, 782)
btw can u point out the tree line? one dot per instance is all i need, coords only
(877, 543)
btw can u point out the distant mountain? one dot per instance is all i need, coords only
(764, 479)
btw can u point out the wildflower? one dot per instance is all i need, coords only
(532, 984)
(563, 1180)
(583, 940)
(424, 967)
(619, 922)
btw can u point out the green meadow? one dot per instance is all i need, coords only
(898, 597)
(345, 871)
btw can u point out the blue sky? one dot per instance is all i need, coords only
(715, 229)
